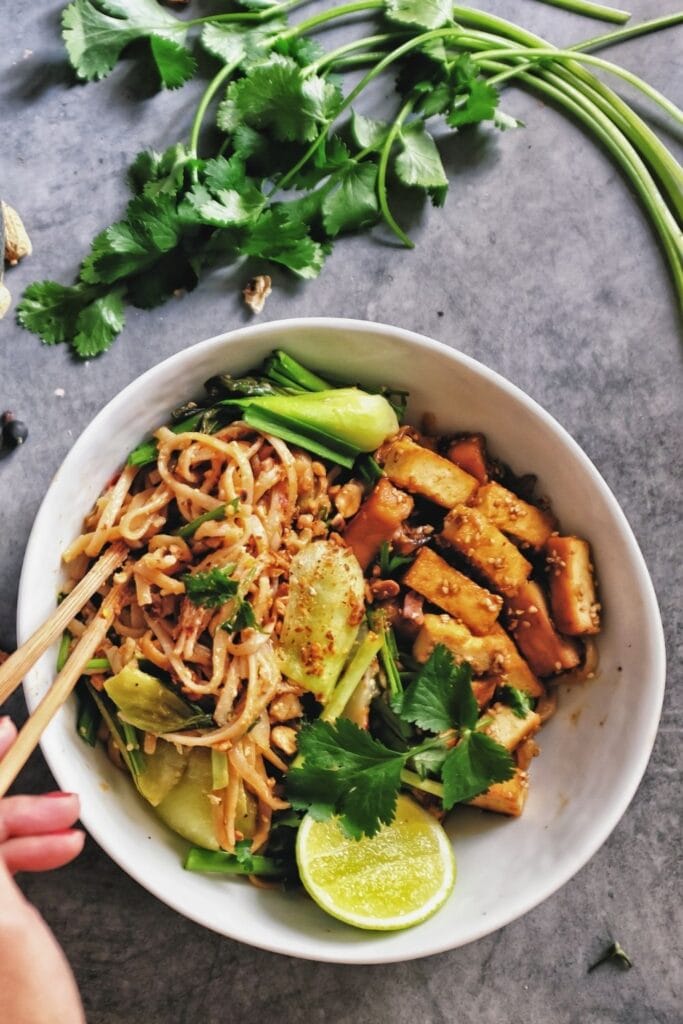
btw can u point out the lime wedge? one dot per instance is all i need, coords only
(396, 879)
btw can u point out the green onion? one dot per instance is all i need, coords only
(88, 716)
(191, 528)
(220, 863)
(63, 652)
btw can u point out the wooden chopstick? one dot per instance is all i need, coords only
(28, 738)
(18, 664)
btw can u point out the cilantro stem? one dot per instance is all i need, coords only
(336, 12)
(532, 55)
(621, 35)
(240, 17)
(413, 780)
(625, 155)
(357, 44)
(590, 10)
(209, 93)
(632, 126)
(382, 174)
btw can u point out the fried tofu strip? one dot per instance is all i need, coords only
(509, 729)
(484, 689)
(420, 471)
(456, 593)
(572, 587)
(515, 672)
(545, 650)
(505, 797)
(486, 548)
(376, 521)
(517, 518)
(463, 645)
(470, 454)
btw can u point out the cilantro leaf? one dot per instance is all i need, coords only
(520, 702)
(98, 324)
(241, 44)
(152, 227)
(368, 133)
(243, 618)
(419, 162)
(277, 96)
(352, 203)
(153, 173)
(211, 589)
(97, 31)
(479, 104)
(279, 236)
(425, 13)
(175, 64)
(472, 766)
(50, 310)
(388, 563)
(228, 208)
(440, 697)
(346, 772)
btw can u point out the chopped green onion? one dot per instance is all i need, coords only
(63, 653)
(88, 717)
(191, 528)
(218, 862)
(356, 669)
(98, 665)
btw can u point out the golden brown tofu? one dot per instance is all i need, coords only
(457, 594)
(486, 548)
(420, 471)
(505, 797)
(463, 645)
(484, 689)
(546, 651)
(509, 729)
(377, 520)
(470, 454)
(526, 523)
(572, 588)
(515, 670)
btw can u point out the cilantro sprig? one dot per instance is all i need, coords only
(347, 772)
(211, 589)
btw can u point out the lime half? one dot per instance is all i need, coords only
(396, 879)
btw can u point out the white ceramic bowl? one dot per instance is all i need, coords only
(594, 751)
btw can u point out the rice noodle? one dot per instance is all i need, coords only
(264, 487)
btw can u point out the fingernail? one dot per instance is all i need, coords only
(57, 793)
(5, 721)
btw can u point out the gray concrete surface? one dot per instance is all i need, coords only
(544, 267)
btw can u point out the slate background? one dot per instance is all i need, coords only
(542, 266)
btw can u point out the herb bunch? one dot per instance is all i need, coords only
(298, 165)
(347, 771)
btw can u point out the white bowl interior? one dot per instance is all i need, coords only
(594, 751)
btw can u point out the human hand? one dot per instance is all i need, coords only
(36, 982)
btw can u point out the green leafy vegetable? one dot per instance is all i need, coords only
(211, 589)
(287, 179)
(144, 702)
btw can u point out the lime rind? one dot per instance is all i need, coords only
(396, 880)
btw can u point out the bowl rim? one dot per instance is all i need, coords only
(637, 766)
